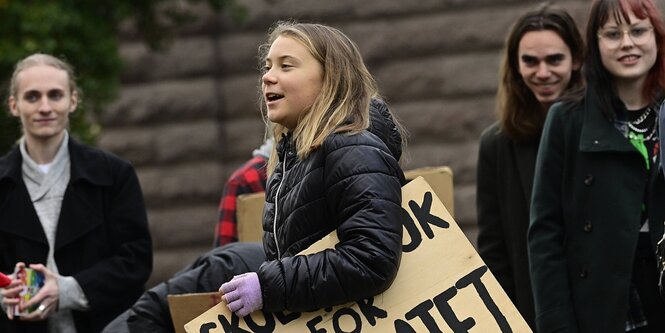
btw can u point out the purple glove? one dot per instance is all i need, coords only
(243, 294)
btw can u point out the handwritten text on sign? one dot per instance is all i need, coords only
(442, 286)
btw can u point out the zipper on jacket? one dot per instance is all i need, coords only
(274, 222)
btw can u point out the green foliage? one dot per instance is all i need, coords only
(85, 34)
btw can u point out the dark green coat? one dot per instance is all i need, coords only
(589, 187)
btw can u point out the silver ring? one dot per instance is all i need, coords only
(41, 308)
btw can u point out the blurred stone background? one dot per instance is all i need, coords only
(188, 116)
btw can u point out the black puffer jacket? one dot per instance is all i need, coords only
(351, 184)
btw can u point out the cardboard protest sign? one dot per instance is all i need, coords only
(442, 286)
(185, 307)
(249, 214)
(441, 180)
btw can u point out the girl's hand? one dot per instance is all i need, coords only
(243, 294)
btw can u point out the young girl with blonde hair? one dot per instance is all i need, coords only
(334, 168)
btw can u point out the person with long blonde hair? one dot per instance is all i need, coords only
(334, 169)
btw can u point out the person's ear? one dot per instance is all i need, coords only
(74, 101)
(577, 64)
(11, 103)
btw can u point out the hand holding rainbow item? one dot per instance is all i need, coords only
(32, 281)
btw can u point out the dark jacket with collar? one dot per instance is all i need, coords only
(503, 195)
(661, 247)
(661, 126)
(589, 188)
(351, 184)
(102, 239)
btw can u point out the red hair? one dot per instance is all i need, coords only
(646, 9)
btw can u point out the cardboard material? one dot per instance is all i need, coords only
(186, 307)
(442, 286)
(441, 180)
(249, 212)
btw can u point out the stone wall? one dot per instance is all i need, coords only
(187, 116)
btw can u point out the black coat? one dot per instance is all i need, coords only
(102, 238)
(503, 195)
(661, 126)
(589, 187)
(661, 247)
(351, 184)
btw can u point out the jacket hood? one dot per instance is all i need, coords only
(265, 149)
(381, 124)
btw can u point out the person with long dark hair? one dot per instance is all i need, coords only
(597, 209)
(542, 60)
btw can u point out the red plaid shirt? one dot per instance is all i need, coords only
(249, 178)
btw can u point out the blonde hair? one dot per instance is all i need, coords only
(346, 92)
(43, 59)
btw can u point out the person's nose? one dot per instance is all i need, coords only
(543, 71)
(268, 77)
(626, 40)
(45, 105)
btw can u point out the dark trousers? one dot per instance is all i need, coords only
(150, 313)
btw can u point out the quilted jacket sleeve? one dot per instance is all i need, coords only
(363, 198)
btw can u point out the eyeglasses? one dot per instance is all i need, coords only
(612, 37)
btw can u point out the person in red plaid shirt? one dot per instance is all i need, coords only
(249, 178)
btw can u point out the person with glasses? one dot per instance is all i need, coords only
(597, 208)
(542, 59)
